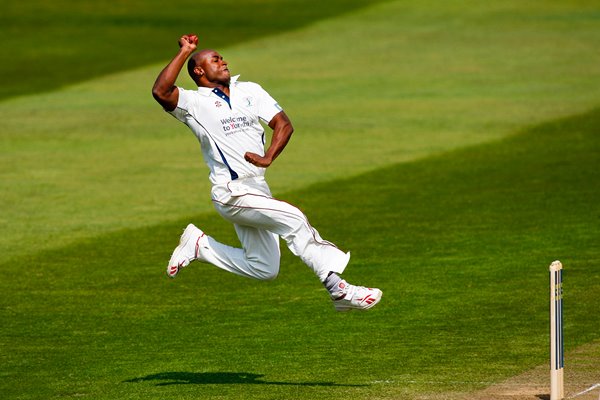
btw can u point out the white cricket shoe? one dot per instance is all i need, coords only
(187, 251)
(349, 297)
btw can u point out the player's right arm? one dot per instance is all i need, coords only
(164, 90)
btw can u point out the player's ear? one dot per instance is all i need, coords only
(198, 71)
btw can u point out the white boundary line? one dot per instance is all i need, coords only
(597, 385)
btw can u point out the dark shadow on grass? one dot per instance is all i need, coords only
(156, 27)
(220, 378)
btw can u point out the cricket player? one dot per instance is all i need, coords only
(224, 113)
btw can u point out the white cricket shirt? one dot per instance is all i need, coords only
(228, 127)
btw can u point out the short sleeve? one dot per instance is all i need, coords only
(183, 104)
(267, 106)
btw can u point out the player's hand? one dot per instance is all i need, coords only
(259, 161)
(188, 42)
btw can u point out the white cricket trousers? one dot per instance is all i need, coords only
(259, 221)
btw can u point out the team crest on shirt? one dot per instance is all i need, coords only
(248, 101)
(218, 103)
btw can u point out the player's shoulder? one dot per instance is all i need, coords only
(193, 92)
(247, 85)
(187, 93)
(193, 95)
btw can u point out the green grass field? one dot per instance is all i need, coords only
(452, 147)
(53, 44)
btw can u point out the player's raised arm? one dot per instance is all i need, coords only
(282, 131)
(164, 90)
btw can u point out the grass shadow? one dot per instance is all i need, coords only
(221, 378)
(157, 28)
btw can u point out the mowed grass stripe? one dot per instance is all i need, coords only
(459, 243)
(390, 83)
(75, 41)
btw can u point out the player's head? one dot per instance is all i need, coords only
(207, 67)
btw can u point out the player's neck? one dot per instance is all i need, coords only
(224, 87)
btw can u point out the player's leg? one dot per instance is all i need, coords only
(261, 252)
(260, 260)
(259, 257)
(254, 211)
(303, 240)
(266, 213)
(326, 260)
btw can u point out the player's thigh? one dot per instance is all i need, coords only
(259, 245)
(268, 213)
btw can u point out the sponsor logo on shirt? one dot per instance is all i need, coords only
(233, 125)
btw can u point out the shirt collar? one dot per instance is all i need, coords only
(207, 91)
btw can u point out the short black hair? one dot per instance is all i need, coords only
(191, 64)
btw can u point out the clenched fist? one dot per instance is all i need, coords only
(188, 42)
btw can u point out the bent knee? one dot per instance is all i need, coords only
(269, 275)
(266, 271)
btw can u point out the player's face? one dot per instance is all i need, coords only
(215, 68)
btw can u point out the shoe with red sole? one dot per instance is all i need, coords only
(187, 251)
(349, 297)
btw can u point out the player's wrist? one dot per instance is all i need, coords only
(268, 159)
(186, 51)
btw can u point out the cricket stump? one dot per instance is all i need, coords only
(557, 360)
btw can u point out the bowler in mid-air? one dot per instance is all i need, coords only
(225, 113)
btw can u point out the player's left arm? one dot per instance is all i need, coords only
(282, 131)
